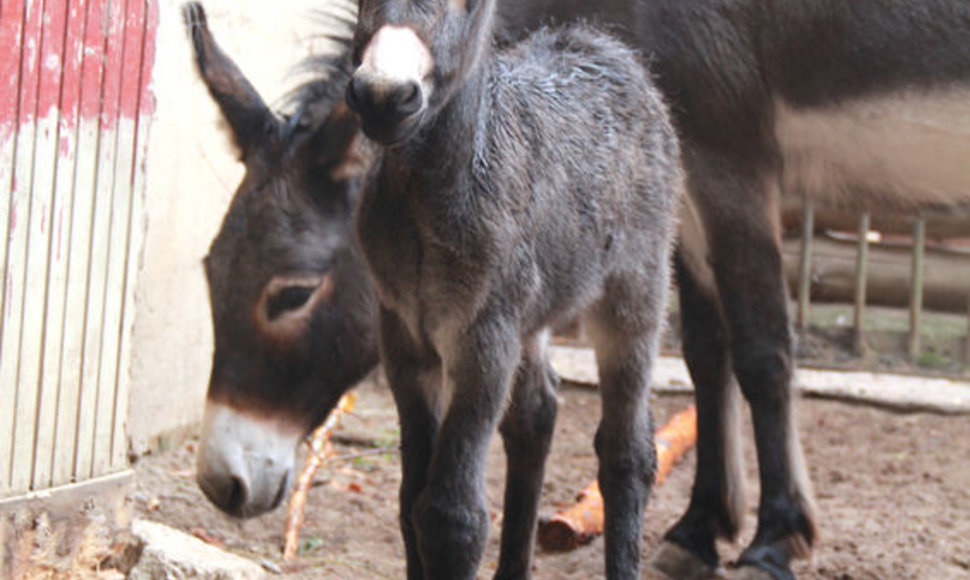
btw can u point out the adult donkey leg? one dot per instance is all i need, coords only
(717, 498)
(450, 514)
(740, 213)
(414, 375)
(624, 329)
(527, 434)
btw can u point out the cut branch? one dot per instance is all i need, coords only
(320, 450)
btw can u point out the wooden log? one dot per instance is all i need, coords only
(577, 525)
(673, 440)
(583, 521)
(946, 275)
(945, 223)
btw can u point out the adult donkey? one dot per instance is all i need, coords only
(293, 308)
(863, 102)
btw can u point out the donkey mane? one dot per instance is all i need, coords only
(328, 72)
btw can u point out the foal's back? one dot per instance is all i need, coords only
(571, 106)
(580, 145)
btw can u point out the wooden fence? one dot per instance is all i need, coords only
(74, 111)
(905, 276)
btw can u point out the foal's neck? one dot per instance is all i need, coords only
(443, 152)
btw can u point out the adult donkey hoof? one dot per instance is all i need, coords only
(771, 561)
(672, 562)
(752, 573)
(756, 573)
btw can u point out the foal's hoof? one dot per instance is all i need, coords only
(671, 562)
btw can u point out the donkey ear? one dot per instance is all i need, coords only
(248, 116)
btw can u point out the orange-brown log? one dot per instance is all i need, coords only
(583, 521)
(320, 450)
(674, 439)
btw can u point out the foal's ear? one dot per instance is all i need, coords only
(339, 148)
(249, 118)
(479, 26)
(476, 6)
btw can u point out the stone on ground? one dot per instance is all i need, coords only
(170, 554)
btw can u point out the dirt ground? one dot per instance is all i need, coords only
(893, 495)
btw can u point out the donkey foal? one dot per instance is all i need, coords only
(516, 188)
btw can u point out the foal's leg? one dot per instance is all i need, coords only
(717, 498)
(450, 513)
(740, 214)
(414, 375)
(527, 433)
(624, 328)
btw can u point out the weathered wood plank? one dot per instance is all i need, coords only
(75, 239)
(14, 330)
(44, 204)
(11, 31)
(62, 447)
(99, 296)
(65, 395)
(117, 259)
(138, 107)
(78, 362)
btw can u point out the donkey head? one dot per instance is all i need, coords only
(411, 56)
(293, 310)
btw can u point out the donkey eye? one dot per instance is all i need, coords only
(289, 298)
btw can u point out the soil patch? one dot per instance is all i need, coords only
(893, 495)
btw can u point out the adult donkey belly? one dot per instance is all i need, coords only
(900, 151)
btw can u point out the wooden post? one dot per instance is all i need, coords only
(861, 283)
(966, 345)
(916, 290)
(805, 265)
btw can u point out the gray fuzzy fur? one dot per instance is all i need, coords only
(546, 185)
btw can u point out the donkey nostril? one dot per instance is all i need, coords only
(352, 96)
(237, 496)
(281, 491)
(408, 98)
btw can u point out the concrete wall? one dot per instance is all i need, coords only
(192, 173)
